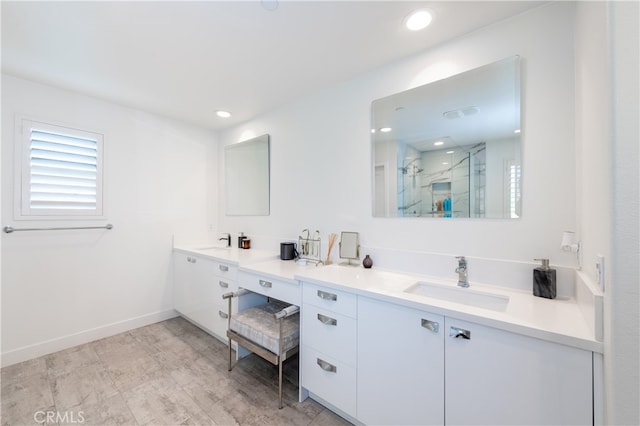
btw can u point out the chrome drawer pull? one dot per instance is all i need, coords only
(459, 333)
(430, 325)
(223, 314)
(223, 268)
(327, 320)
(327, 296)
(223, 284)
(327, 367)
(265, 284)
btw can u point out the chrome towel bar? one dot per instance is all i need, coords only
(10, 229)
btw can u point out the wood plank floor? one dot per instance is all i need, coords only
(168, 373)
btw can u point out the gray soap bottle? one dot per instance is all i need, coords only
(544, 280)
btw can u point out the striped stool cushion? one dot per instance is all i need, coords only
(259, 325)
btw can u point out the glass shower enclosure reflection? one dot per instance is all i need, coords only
(442, 183)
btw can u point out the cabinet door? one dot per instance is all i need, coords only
(194, 289)
(400, 375)
(183, 272)
(496, 377)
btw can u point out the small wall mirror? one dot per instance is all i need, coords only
(450, 148)
(246, 166)
(349, 246)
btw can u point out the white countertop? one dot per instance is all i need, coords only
(560, 321)
(232, 255)
(278, 269)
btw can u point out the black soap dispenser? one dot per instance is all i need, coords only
(544, 280)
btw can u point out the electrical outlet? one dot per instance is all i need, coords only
(600, 270)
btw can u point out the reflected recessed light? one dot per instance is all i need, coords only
(444, 163)
(516, 131)
(438, 143)
(418, 19)
(450, 152)
(223, 114)
(385, 129)
(373, 130)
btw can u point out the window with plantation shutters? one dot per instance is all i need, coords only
(61, 171)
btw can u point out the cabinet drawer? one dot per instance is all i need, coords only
(222, 286)
(332, 333)
(214, 319)
(330, 379)
(225, 271)
(330, 299)
(277, 289)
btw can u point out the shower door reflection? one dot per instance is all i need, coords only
(453, 187)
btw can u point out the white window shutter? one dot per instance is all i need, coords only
(62, 171)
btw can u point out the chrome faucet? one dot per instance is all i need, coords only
(226, 237)
(462, 272)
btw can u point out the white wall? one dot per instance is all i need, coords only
(607, 131)
(320, 158)
(67, 287)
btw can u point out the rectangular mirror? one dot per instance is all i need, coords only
(450, 148)
(246, 166)
(349, 246)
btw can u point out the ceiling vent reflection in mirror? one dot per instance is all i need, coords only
(459, 136)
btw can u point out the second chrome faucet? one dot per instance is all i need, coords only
(463, 280)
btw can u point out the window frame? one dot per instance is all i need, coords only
(22, 164)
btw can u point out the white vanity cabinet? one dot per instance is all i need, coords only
(225, 279)
(414, 367)
(199, 283)
(328, 350)
(497, 377)
(400, 365)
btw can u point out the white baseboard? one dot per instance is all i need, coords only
(35, 350)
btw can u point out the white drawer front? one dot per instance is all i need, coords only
(226, 271)
(222, 286)
(215, 319)
(281, 290)
(328, 298)
(332, 333)
(331, 380)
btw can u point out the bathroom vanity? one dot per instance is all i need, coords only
(383, 347)
(201, 275)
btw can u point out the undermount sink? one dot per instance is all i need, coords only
(466, 296)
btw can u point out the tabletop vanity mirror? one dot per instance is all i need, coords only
(246, 172)
(451, 148)
(349, 247)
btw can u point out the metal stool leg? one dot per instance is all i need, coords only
(280, 381)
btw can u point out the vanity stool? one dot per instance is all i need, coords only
(270, 330)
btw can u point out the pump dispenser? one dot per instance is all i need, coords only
(544, 280)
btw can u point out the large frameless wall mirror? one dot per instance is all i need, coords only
(450, 148)
(246, 166)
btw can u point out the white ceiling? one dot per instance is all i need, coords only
(186, 59)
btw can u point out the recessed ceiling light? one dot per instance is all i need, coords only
(516, 131)
(438, 143)
(385, 129)
(223, 114)
(373, 130)
(450, 152)
(444, 163)
(418, 19)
